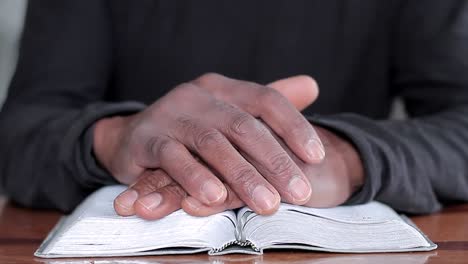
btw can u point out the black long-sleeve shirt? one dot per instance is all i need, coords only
(84, 60)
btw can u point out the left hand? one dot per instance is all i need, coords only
(334, 180)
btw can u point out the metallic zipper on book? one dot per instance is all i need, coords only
(247, 243)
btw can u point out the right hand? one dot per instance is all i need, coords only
(214, 118)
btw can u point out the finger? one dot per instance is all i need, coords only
(301, 90)
(295, 159)
(160, 203)
(218, 153)
(273, 108)
(194, 207)
(289, 124)
(193, 177)
(149, 181)
(254, 138)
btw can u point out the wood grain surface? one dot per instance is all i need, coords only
(22, 230)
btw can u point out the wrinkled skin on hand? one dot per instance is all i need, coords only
(212, 143)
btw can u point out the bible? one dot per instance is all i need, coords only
(94, 229)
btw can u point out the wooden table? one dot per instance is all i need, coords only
(22, 230)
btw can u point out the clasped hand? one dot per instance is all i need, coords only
(217, 143)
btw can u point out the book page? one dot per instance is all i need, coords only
(365, 213)
(94, 228)
(369, 227)
(372, 212)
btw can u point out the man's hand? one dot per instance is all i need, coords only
(334, 180)
(200, 134)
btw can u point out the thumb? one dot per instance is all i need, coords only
(301, 90)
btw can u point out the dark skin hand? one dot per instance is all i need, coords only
(200, 134)
(334, 180)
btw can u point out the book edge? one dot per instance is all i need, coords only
(407, 220)
(156, 252)
(41, 251)
(312, 248)
(404, 218)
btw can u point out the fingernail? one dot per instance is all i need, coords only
(127, 198)
(264, 198)
(151, 201)
(315, 150)
(299, 189)
(212, 191)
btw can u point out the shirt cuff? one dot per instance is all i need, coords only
(90, 174)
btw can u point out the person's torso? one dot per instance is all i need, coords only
(344, 45)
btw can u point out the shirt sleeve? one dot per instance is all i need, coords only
(54, 99)
(419, 164)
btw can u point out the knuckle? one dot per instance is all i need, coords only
(179, 94)
(280, 165)
(162, 147)
(151, 146)
(206, 78)
(269, 96)
(271, 101)
(184, 87)
(243, 176)
(240, 124)
(185, 122)
(249, 86)
(152, 150)
(243, 124)
(185, 125)
(182, 90)
(227, 109)
(208, 139)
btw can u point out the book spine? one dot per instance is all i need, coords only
(247, 243)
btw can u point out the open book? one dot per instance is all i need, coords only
(94, 229)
